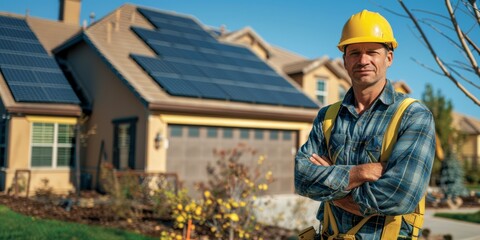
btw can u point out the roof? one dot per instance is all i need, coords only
(308, 65)
(31, 81)
(466, 124)
(277, 56)
(171, 63)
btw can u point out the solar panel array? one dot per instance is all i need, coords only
(192, 63)
(31, 74)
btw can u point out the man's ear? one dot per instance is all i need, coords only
(389, 58)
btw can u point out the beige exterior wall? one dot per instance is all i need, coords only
(112, 100)
(19, 156)
(333, 84)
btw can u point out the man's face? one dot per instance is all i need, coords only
(367, 63)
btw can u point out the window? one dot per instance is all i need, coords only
(244, 133)
(321, 91)
(287, 135)
(258, 134)
(124, 143)
(193, 131)
(212, 132)
(273, 135)
(52, 145)
(176, 131)
(341, 92)
(227, 133)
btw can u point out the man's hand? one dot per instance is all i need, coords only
(368, 172)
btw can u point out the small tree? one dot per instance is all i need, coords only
(451, 179)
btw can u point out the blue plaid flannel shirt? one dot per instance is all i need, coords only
(357, 139)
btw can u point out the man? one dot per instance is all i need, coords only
(348, 173)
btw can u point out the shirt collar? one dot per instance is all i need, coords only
(387, 97)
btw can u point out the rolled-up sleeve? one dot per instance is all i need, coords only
(408, 169)
(319, 182)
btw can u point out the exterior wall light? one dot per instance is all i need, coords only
(158, 140)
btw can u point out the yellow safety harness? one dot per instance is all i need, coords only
(391, 229)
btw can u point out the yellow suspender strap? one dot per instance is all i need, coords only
(329, 119)
(390, 137)
(392, 223)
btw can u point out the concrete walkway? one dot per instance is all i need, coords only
(296, 212)
(458, 229)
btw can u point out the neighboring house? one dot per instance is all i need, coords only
(470, 147)
(38, 106)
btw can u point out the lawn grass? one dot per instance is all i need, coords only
(17, 226)
(467, 217)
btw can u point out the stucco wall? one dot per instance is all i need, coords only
(19, 159)
(112, 100)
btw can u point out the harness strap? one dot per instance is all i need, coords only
(392, 224)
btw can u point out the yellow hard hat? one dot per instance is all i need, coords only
(367, 26)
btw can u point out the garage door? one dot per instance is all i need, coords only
(192, 147)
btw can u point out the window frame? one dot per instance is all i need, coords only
(54, 146)
(132, 131)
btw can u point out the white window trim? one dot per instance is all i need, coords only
(54, 146)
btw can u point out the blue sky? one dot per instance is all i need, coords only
(308, 27)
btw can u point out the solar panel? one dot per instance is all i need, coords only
(31, 74)
(177, 86)
(21, 59)
(13, 22)
(15, 33)
(192, 63)
(15, 45)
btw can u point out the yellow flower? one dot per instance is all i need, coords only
(243, 204)
(213, 229)
(268, 176)
(179, 206)
(261, 159)
(235, 204)
(198, 211)
(180, 219)
(178, 237)
(233, 217)
(208, 202)
(207, 194)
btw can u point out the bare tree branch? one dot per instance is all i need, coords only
(437, 59)
(460, 35)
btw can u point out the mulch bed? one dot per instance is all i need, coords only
(95, 215)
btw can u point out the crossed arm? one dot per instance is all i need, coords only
(371, 188)
(359, 174)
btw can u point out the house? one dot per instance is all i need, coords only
(39, 108)
(153, 91)
(163, 93)
(470, 147)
